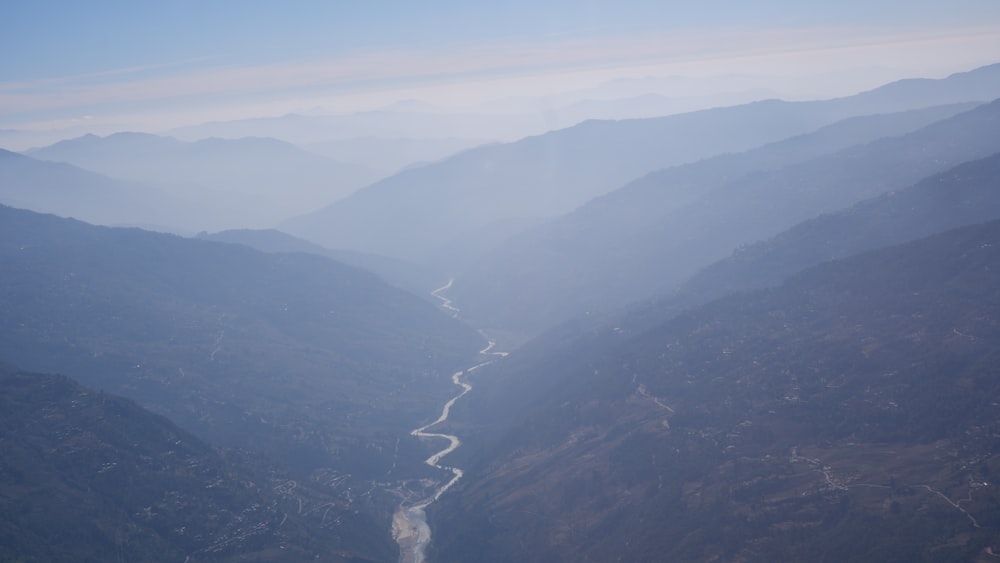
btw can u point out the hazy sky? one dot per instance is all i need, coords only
(147, 65)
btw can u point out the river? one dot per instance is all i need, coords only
(409, 523)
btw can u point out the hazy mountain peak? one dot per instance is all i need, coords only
(411, 106)
(123, 140)
(244, 182)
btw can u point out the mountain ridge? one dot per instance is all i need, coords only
(401, 274)
(70, 191)
(632, 245)
(251, 181)
(410, 214)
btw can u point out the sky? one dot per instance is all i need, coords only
(155, 65)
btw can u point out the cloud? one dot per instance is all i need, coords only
(475, 74)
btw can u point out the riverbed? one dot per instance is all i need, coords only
(409, 523)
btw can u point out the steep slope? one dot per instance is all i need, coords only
(415, 213)
(88, 476)
(784, 424)
(405, 275)
(63, 189)
(674, 187)
(290, 354)
(963, 195)
(388, 156)
(411, 214)
(977, 84)
(652, 234)
(257, 181)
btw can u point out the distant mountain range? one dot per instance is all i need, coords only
(389, 123)
(244, 182)
(652, 234)
(70, 191)
(429, 213)
(416, 213)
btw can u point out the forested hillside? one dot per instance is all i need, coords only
(784, 424)
(291, 354)
(89, 476)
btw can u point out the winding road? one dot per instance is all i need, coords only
(409, 523)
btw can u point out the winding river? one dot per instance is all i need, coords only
(409, 523)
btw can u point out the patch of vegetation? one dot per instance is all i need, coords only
(89, 476)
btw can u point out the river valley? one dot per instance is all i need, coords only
(409, 523)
